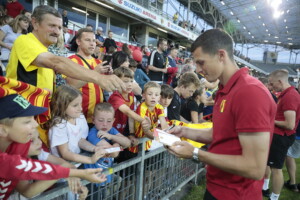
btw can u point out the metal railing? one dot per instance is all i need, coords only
(149, 176)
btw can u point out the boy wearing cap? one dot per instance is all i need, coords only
(16, 127)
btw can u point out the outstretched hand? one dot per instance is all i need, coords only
(181, 149)
(111, 83)
(94, 175)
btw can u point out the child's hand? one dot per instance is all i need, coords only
(94, 175)
(115, 154)
(74, 184)
(97, 155)
(134, 141)
(83, 193)
(146, 124)
(103, 134)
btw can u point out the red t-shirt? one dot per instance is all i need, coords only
(116, 100)
(25, 169)
(289, 99)
(14, 9)
(243, 105)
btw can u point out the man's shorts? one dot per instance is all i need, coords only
(278, 151)
(294, 150)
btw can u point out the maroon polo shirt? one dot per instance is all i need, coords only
(289, 99)
(244, 104)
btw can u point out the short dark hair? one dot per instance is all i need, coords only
(118, 58)
(166, 91)
(132, 63)
(213, 40)
(90, 25)
(160, 41)
(104, 107)
(42, 10)
(123, 72)
(83, 30)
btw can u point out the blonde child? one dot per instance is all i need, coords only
(104, 135)
(152, 111)
(69, 129)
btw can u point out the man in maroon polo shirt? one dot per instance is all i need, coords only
(243, 118)
(286, 121)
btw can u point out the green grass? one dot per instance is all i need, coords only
(197, 192)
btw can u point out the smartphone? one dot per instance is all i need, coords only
(107, 58)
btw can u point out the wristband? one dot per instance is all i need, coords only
(196, 155)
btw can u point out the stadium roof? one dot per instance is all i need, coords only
(253, 21)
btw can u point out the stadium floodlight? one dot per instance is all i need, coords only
(105, 5)
(79, 10)
(163, 30)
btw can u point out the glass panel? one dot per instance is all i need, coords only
(119, 28)
(26, 3)
(152, 40)
(91, 19)
(102, 21)
(51, 3)
(76, 13)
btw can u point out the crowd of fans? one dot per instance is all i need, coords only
(101, 97)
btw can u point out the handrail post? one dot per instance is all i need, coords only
(140, 171)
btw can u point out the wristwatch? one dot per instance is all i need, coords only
(196, 154)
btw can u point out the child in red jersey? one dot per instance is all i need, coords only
(123, 103)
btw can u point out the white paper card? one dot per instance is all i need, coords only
(113, 149)
(166, 138)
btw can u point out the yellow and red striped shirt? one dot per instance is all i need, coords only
(36, 96)
(92, 93)
(154, 115)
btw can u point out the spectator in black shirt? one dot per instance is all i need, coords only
(109, 41)
(192, 109)
(65, 18)
(187, 85)
(156, 62)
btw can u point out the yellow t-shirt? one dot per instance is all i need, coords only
(25, 50)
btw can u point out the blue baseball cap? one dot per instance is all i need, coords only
(15, 105)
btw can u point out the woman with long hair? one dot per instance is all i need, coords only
(9, 33)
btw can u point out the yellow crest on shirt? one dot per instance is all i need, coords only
(222, 105)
